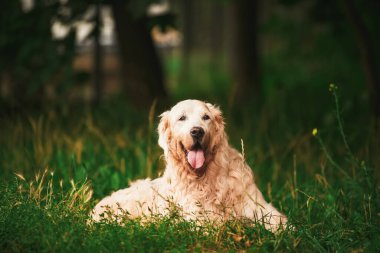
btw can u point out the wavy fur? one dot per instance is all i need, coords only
(223, 189)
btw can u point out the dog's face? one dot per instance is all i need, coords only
(190, 133)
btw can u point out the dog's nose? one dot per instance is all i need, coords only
(197, 133)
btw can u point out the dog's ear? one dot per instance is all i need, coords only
(164, 131)
(217, 114)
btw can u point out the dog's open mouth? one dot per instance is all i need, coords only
(195, 156)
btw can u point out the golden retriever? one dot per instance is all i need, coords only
(205, 177)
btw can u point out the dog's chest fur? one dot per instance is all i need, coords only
(215, 192)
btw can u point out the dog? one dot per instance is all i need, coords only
(204, 176)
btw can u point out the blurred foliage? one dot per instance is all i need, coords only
(303, 43)
(33, 61)
(30, 57)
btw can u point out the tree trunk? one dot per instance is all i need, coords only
(98, 57)
(216, 44)
(245, 57)
(367, 54)
(187, 31)
(142, 69)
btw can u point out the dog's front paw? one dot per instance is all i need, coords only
(277, 223)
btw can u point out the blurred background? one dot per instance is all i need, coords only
(82, 82)
(230, 50)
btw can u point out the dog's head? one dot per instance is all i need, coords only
(190, 133)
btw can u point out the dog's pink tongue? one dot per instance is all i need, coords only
(196, 158)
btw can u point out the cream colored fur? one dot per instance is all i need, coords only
(223, 189)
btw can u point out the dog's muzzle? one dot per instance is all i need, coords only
(196, 155)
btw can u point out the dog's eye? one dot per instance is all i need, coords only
(206, 117)
(183, 117)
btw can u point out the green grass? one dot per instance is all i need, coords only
(53, 162)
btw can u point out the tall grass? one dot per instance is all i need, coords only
(57, 164)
